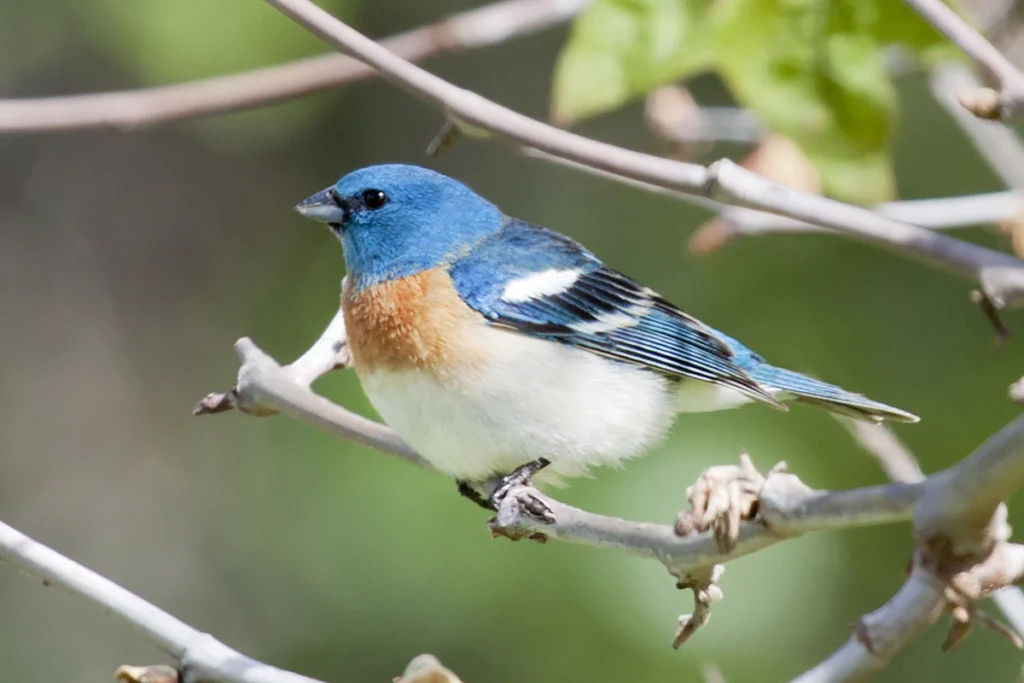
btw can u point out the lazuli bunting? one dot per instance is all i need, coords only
(500, 348)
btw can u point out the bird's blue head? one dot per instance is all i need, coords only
(396, 220)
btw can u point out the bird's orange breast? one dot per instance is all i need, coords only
(417, 322)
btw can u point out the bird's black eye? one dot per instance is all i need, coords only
(374, 199)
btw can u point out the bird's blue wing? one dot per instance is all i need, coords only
(543, 284)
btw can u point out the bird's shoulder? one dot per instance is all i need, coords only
(520, 253)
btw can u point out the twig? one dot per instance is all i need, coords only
(706, 592)
(936, 214)
(963, 555)
(1010, 601)
(928, 591)
(999, 145)
(263, 384)
(783, 515)
(264, 388)
(329, 352)
(982, 102)
(1002, 148)
(203, 659)
(896, 460)
(943, 213)
(879, 636)
(675, 117)
(960, 506)
(900, 465)
(488, 25)
(1001, 276)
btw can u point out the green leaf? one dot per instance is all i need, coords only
(894, 23)
(815, 71)
(619, 49)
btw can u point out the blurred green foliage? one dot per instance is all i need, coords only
(815, 70)
(620, 49)
(130, 262)
(163, 42)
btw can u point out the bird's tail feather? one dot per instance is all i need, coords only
(804, 389)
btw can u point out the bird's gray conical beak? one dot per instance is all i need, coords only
(321, 207)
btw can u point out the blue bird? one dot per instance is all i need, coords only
(498, 348)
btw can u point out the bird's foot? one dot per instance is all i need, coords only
(524, 502)
(723, 497)
(518, 477)
(528, 504)
(518, 515)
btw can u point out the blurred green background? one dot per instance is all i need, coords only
(130, 262)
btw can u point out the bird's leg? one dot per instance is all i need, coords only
(518, 477)
(466, 490)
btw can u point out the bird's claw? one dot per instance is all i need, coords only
(519, 503)
(518, 477)
(512, 500)
(534, 506)
(524, 502)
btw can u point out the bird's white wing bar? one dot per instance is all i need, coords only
(535, 285)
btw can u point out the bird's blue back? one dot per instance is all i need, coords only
(603, 311)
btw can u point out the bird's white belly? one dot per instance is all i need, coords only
(528, 399)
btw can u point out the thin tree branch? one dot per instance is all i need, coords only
(943, 213)
(999, 145)
(879, 636)
(786, 511)
(961, 505)
(963, 555)
(986, 103)
(484, 26)
(899, 464)
(1010, 601)
(675, 117)
(264, 388)
(203, 659)
(937, 214)
(895, 459)
(1000, 275)
(263, 384)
